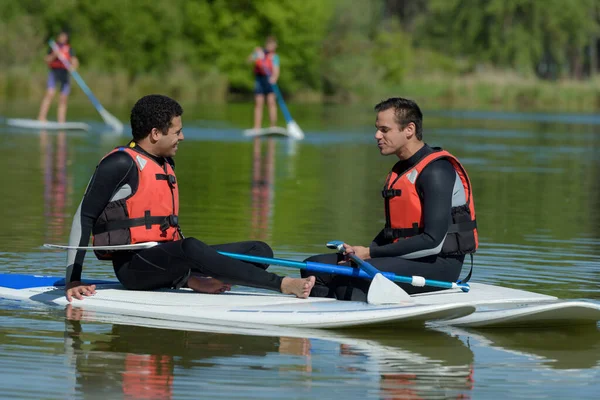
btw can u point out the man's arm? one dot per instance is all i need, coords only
(435, 187)
(115, 173)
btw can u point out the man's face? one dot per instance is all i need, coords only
(390, 137)
(166, 145)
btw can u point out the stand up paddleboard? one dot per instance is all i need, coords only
(484, 306)
(232, 308)
(50, 125)
(273, 131)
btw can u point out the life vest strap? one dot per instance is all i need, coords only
(147, 220)
(390, 233)
(468, 277)
(389, 193)
(466, 226)
(169, 178)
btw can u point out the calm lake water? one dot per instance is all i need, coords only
(536, 182)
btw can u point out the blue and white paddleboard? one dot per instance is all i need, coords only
(229, 309)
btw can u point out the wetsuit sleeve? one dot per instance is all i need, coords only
(434, 185)
(114, 172)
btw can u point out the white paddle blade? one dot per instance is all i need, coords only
(384, 291)
(294, 131)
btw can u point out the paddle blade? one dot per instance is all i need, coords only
(384, 291)
(294, 130)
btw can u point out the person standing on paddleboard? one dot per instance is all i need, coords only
(58, 74)
(429, 211)
(266, 73)
(133, 197)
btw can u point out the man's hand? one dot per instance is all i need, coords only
(364, 253)
(78, 290)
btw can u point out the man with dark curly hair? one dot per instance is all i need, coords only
(133, 197)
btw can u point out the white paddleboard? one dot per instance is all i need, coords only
(50, 125)
(233, 308)
(272, 131)
(564, 313)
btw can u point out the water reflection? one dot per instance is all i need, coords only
(143, 362)
(53, 164)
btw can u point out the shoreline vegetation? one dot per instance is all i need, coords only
(484, 92)
(517, 55)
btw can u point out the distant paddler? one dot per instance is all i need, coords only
(58, 74)
(429, 211)
(266, 73)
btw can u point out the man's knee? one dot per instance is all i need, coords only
(263, 249)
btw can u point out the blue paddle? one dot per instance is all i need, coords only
(308, 265)
(110, 119)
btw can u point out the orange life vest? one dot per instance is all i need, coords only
(403, 208)
(264, 66)
(65, 51)
(149, 215)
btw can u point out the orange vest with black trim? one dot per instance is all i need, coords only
(148, 215)
(264, 66)
(65, 51)
(404, 214)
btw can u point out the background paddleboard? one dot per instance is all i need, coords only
(50, 125)
(273, 131)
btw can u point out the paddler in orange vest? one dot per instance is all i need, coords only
(429, 210)
(133, 197)
(266, 73)
(58, 74)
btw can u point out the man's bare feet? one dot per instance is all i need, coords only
(207, 285)
(300, 287)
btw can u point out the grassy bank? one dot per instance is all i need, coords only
(497, 91)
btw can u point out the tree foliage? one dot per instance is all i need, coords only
(343, 48)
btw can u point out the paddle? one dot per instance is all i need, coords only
(292, 126)
(382, 290)
(308, 265)
(106, 116)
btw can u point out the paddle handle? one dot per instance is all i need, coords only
(282, 105)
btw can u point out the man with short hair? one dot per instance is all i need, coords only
(133, 197)
(429, 210)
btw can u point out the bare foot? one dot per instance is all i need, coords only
(300, 287)
(207, 285)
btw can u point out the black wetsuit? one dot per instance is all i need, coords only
(417, 255)
(166, 265)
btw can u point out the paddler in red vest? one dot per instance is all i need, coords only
(58, 75)
(133, 197)
(266, 73)
(429, 210)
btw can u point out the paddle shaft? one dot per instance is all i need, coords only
(344, 270)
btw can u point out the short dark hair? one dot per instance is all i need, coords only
(406, 111)
(153, 111)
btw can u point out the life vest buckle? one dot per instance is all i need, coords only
(389, 193)
(169, 221)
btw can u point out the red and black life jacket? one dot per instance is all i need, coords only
(65, 51)
(264, 66)
(148, 215)
(404, 214)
